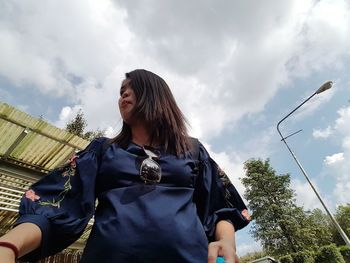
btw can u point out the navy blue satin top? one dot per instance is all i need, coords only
(171, 221)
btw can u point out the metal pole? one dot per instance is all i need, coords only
(336, 224)
(340, 230)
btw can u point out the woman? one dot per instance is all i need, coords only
(161, 198)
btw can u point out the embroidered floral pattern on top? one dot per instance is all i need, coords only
(67, 170)
(226, 183)
(246, 214)
(30, 194)
(70, 167)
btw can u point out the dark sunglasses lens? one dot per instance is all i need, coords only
(150, 171)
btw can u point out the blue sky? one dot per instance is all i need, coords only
(235, 67)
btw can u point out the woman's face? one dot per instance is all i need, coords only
(127, 101)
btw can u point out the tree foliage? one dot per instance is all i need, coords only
(303, 257)
(251, 256)
(280, 225)
(329, 254)
(342, 216)
(286, 259)
(319, 228)
(345, 251)
(77, 126)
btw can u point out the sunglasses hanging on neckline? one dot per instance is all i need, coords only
(150, 170)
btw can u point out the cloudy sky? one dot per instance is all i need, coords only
(236, 68)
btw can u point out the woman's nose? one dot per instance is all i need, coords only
(125, 94)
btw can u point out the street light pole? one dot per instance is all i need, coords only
(327, 85)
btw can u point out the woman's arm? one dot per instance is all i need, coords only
(26, 237)
(225, 244)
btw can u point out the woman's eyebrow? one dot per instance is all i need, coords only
(123, 87)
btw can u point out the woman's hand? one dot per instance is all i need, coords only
(223, 249)
(7, 255)
(225, 246)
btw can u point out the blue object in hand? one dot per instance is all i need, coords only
(220, 260)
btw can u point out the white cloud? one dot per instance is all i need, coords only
(262, 144)
(24, 67)
(67, 113)
(346, 143)
(305, 196)
(322, 133)
(218, 72)
(342, 190)
(333, 159)
(110, 132)
(337, 165)
(322, 48)
(342, 124)
(53, 45)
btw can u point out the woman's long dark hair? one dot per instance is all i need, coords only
(156, 106)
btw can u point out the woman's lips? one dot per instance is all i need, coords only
(125, 103)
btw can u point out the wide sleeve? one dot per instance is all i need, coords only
(216, 197)
(62, 203)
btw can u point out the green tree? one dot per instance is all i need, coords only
(251, 256)
(329, 254)
(318, 227)
(286, 259)
(280, 225)
(77, 126)
(342, 215)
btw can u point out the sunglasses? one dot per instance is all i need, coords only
(150, 170)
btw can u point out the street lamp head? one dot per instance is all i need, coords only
(324, 87)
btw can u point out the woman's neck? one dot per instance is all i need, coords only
(140, 134)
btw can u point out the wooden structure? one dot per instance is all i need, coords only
(30, 148)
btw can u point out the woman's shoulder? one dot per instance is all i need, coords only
(197, 149)
(96, 145)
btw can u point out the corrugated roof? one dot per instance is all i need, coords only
(34, 143)
(11, 190)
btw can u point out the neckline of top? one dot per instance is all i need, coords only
(141, 146)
